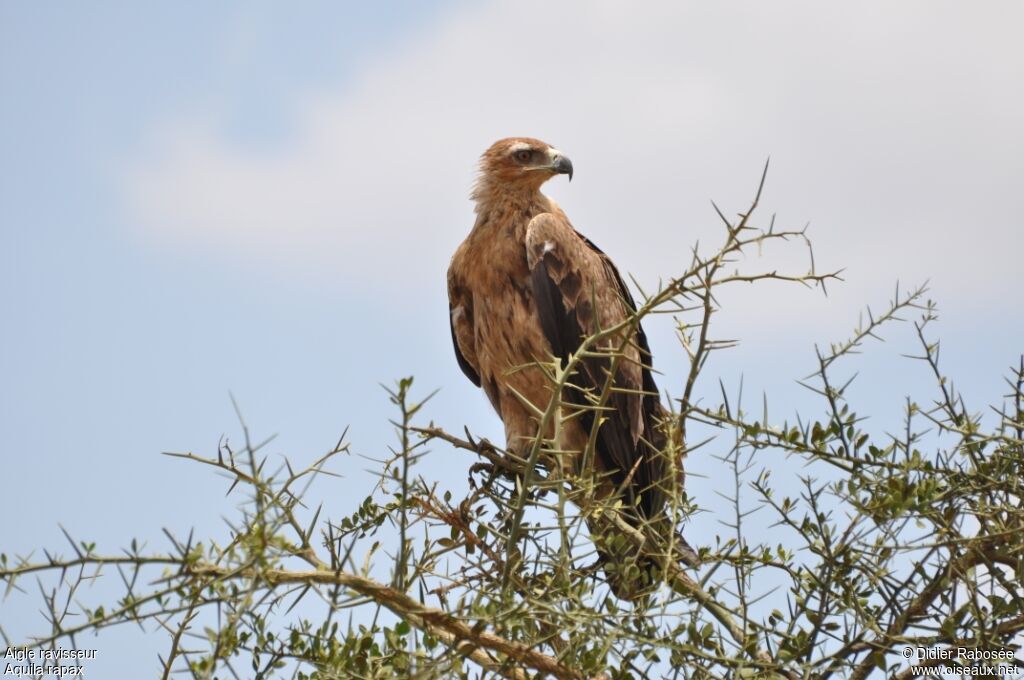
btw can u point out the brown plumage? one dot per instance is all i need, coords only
(525, 287)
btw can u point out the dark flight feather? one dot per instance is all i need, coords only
(615, 442)
(466, 367)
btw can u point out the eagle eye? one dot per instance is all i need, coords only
(523, 155)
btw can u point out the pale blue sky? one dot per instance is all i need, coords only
(201, 198)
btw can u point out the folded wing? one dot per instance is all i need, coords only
(578, 291)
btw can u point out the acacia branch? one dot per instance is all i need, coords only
(456, 634)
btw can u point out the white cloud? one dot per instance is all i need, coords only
(894, 129)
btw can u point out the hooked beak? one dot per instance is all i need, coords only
(561, 165)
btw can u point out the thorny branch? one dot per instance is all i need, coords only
(845, 545)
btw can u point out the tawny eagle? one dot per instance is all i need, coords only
(526, 288)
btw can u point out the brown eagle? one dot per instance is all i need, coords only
(525, 288)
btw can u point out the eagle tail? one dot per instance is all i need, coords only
(631, 576)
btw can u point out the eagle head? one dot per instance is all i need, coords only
(523, 162)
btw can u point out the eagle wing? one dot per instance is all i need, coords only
(578, 291)
(460, 315)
